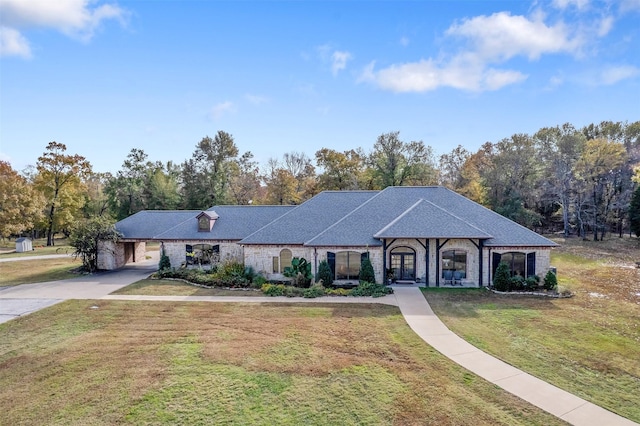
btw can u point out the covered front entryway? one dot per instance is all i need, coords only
(403, 263)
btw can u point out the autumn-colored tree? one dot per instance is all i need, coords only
(340, 170)
(60, 179)
(20, 205)
(281, 188)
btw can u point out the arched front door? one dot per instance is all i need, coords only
(403, 263)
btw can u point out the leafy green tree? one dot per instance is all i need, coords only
(85, 237)
(206, 176)
(20, 205)
(398, 163)
(450, 166)
(245, 180)
(126, 191)
(60, 179)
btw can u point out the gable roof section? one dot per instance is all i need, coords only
(383, 212)
(233, 223)
(440, 224)
(309, 218)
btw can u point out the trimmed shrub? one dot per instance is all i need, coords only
(165, 263)
(502, 278)
(325, 274)
(371, 289)
(258, 281)
(517, 283)
(314, 291)
(550, 281)
(366, 271)
(531, 283)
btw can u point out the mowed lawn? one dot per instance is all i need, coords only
(588, 345)
(122, 362)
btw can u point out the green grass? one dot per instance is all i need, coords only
(120, 362)
(588, 345)
(152, 287)
(38, 270)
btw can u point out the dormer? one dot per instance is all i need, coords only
(206, 220)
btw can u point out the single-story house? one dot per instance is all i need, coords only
(430, 235)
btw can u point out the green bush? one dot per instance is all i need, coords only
(502, 277)
(366, 271)
(532, 281)
(517, 283)
(325, 274)
(273, 289)
(315, 290)
(258, 281)
(550, 281)
(165, 262)
(371, 289)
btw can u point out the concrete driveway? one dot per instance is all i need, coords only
(24, 299)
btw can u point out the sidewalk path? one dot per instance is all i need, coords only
(41, 256)
(562, 404)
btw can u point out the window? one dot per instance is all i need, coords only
(454, 264)
(285, 259)
(519, 263)
(347, 265)
(276, 264)
(203, 223)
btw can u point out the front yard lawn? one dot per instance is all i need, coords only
(588, 345)
(122, 362)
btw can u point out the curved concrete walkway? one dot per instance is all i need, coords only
(414, 307)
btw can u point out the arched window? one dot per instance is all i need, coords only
(454, 265)
(285, 259)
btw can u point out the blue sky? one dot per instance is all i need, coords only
(104, 77)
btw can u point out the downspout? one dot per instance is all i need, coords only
(480, 249)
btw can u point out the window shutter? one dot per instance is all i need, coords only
(531, 264)
(364, 256)
(189, 254)
(494, 263)
(331, 260)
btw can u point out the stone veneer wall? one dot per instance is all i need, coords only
(110, 255)
(176, 250)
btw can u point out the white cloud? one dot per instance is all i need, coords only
(222, 108)
(404, 41)
(75, 18)
(12, 43)
(339, 61)
(605, 26)
(487, 42)
(613, 75)
(502, 36)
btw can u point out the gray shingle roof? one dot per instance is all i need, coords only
(440, 224)
(233, 223)
(342, 218)
(309, 218)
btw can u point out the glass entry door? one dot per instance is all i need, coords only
(403, 262)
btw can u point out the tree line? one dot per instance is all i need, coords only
(578, 181)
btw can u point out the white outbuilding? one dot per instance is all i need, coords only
(23, 244)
